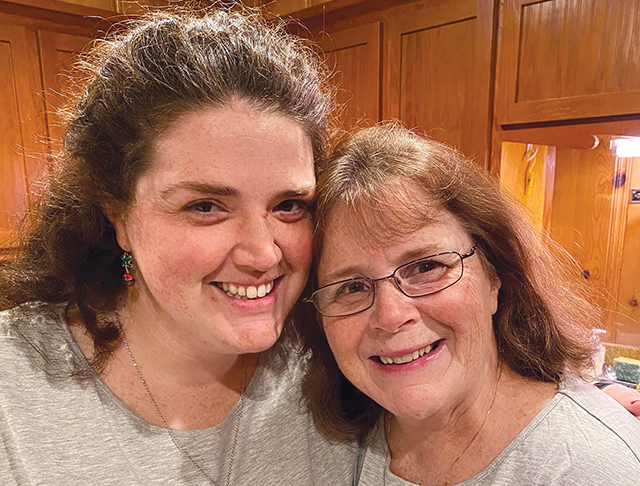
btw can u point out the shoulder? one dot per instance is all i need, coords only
(283, 366)
(35, 338)
(581, 437)
(29, 319)
(600, 415)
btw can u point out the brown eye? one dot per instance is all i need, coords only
(288, 206)
(205, 207)
(291, 210)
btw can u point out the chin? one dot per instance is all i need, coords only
(259, 340)
(413, 406)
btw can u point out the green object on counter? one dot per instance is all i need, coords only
(627, 369)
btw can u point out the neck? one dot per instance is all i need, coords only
(461, 442)
(192, 389)
(173, 357)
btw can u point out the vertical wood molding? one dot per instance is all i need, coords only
(549, 184)
(617, 230)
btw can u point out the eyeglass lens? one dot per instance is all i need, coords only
(415, 279)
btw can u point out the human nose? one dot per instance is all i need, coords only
(391, 309)
(257, 249)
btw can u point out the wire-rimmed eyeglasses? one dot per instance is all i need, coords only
(418, 278)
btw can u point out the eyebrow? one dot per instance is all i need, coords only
(201, 187)
(227, 191)
(348, 273)
(293, 193)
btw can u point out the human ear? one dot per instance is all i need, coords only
(117, 220)
(496, 284)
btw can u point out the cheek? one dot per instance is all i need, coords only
(295, 241)
(344, 337)
(177, 253)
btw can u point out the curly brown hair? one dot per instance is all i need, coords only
(136, 83)
(545, 310)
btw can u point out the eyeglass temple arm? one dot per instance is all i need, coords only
(473, 249)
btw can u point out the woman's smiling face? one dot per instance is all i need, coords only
(451, 331)
(219, 229)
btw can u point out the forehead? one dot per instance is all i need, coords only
(347, 243)
(386, 213)
(232, 144)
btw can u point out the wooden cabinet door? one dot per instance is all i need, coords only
(58, 52)
(353, 55)
(437, 63)
(22, 124)
(567, 59)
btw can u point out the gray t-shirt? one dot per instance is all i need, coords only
(59, 430)
(581, 438)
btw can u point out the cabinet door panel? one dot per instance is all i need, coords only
(354, 57)
(438, 72)
(21, 125)
(568, 59)
(58, 52)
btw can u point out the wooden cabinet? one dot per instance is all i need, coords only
(22, 123)
(353, 57)
(566, 79)
(427, 63)
(567, 60)
(437, 72)
(33, 56)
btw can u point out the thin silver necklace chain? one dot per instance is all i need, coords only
(170, 431)
(450, 468)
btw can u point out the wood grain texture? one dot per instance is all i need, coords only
(568, 59)
(58, 52)
(353, 56)
(22, 146)
(583, 211)
(434, 79)
(514, 176)
(576, 48)
(74, 11)
(627, 319)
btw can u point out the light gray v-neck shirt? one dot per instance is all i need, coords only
(581, 438)
(60, 430)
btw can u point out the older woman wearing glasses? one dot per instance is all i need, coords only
(459, 336)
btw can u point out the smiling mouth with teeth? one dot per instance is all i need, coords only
(246, 293)
(407, 358)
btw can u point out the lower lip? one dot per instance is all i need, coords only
(411, 365)
(261, 304)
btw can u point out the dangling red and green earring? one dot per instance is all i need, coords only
(126, 263)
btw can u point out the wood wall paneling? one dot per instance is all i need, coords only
(627, 319)
(568, 59)
(23, 123)
(353, 56)
(585, 217)
(526, 176)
